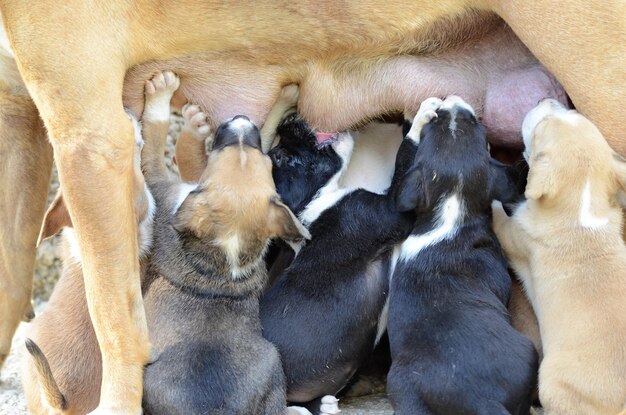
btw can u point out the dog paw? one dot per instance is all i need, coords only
(330, 405)
(163, 83)
(428, 110)
(159, 91)
(196, 121)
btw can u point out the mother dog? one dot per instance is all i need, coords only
(74, 56)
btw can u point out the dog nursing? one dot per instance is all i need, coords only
(74, 60)
(566, 244)
(201, 285)
(453, 348)
(324, 311)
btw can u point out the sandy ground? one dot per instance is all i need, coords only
(11, 397)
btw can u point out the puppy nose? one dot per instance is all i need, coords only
(238, 130)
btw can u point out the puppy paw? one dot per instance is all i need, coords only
(330, 405)
(427, 111)
(159, 91)
(196, 121)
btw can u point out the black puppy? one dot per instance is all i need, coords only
(324, 310)
(453, 348)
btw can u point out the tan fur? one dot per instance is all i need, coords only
(188, 147)
(584, 47)
(575, 276)
(24, 178)
(523, 317)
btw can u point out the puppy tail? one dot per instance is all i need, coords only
(51, 391)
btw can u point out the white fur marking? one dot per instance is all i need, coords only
(382, 321)
(450, 213)
(383, 318)
(240, 126)
(330, 194)
(453, 101)
(587, 219)
(4, 41)
(183, 191)
(72, 240)
(157, 108)
(146, 226)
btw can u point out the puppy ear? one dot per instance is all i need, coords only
(56, 218)
(188, 219)
(505, 182)
(410, 192)
(619, 167)
(282, 223)
(540, 178)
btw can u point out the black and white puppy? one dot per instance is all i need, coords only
(453, 348)
(323, 312)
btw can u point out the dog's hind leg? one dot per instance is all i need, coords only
(78, 95)
(24, 176)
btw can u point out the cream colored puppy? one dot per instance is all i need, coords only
(565, 242)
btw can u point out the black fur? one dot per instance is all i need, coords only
(453, 348)
(300, 166)
(323, 312)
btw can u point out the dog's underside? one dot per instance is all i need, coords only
(74, 61)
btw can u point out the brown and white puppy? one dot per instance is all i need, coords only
(565, 242)
(206, 273)
(337, 52)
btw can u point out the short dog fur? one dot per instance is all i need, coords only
(338, 44)
(453, 348)
(565, 242)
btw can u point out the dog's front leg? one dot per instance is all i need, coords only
(24, 177)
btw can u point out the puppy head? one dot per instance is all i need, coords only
(565, 153)
(235, 206)
(302, 165)
(452, 157)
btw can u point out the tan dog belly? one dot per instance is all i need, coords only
(495, 73)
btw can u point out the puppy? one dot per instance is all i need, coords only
(206, 273)
(63, 331)
(566, 245)
(452, 345)
(323, 313)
